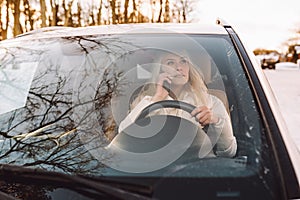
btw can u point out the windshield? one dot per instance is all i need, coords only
(72, 105)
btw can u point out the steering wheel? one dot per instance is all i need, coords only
(168, 104)
(163, 138)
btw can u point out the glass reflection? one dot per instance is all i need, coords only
(81, 91)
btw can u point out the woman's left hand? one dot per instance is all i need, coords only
(204, 115)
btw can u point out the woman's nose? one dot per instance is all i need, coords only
(178, 66)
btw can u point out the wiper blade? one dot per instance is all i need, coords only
(74, 182)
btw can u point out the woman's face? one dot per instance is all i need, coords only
(177, 67)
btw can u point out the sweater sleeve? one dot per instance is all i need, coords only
(131, 117)
(223, 137)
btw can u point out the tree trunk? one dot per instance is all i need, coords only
(28, 15)
(91, 14)
(1, 25)
(68, 13)
(54, 9)
(152, 3)
(126, 11)
(4, 30)
(43, 12)
(17, 29)
(167, 12)
(160, 11)
(134, 13)
(79, 14)
(184, 8)
(99, 13)
(113, 11)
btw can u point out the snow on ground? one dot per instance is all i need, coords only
(285, 84)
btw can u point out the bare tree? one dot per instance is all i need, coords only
(79, 8)
(113, 11)
(28, 11)
(54, 12)
(167, 12)
(62, 12)
(3, 26)
(126, 11)
(152, 4)
(133, 18)
(92, 18)
(68, 13)
(160, 10)
(17, 29)
(43, 12)
(99, 18)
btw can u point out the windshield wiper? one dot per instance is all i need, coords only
(81, 184)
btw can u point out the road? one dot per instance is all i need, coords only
(286, 87)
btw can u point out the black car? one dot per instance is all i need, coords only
(269, 60)
(65, 92)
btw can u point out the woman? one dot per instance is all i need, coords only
(186, 84)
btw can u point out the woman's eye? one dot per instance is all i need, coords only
(183, 61)
(170, 63)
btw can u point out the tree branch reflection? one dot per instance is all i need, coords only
(44, 133)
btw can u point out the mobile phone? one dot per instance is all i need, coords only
(167, 86)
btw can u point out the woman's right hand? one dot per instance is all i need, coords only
(161, 92)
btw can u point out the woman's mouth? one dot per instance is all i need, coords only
(178, 75)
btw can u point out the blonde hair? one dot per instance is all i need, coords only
(195, 85)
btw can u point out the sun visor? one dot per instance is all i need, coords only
(15, 83)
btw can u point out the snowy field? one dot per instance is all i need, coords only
(285, 83)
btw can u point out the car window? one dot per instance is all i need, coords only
(78, 90)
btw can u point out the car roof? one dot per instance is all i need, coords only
(186, 28)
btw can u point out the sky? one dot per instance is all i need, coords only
(259, 23)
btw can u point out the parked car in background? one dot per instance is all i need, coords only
(64, 93)
(269, 59)
(293, 54)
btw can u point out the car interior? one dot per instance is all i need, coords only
(126, 73)
(137, 71)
